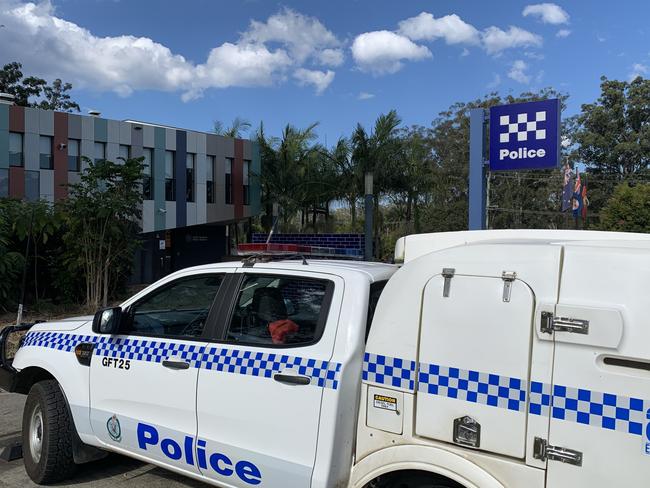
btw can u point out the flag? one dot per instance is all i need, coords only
(567, 189)
(577, 204)
(585, 201)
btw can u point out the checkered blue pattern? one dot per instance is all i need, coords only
(473, 386)
(386, 370)
(540, 398)
(523, 127)
(597, 409)
(324, 374)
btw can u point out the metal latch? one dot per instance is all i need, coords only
(447, 274)
(508, 278)
(551, 324)
(543, 451)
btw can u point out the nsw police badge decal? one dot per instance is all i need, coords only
(114, 429)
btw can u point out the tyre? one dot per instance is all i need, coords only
(47, 434)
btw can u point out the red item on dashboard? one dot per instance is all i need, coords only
(280, 328)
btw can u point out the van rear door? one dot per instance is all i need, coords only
(600, 415)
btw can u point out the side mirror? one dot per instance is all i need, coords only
(107, 321)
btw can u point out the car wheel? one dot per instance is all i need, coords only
(47, 434)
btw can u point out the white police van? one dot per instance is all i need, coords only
(495, 359)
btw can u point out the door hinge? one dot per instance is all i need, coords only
(543, 451)
(551, 324)
(447, 274)
(508, 278)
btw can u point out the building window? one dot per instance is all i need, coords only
(100, 151)
(4, 183)
(247, 194)
(45, 152)
(15, 149)
(189, 176)
(229, 165)
(170, 180)
(125, 152)
(73, 155)
(147, 188)
(32, 185)
(209, 179)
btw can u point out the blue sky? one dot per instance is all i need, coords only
(188, 63)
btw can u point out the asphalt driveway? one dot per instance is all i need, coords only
(112, 471)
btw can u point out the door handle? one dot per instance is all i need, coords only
(292, 379)
(176, 364)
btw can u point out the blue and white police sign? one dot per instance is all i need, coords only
(525, 135)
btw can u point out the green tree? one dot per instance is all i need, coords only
(237, 129)
(11, 265)
(613, 136)
(35, 92)
(102, 214)
(628, 209)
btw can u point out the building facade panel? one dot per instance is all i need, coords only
(170, 215)
(255, 182)
(47, 185)
(125, 133)
(158, 165)
(32, 120)
(88, 128)
(170, 139)
(113, 152)
(192, 141)
(147, 215)
(101, 130)
(201, 205)
(16, 118)
(190, 218)
(74, 126)
(238, 179)
(212, 140)
(148, 136)
(16, 182)
(181, 177)
(4, 136)
(87, 151)
(113, 134)
(31, 151)
(46, 122)
(60, 155)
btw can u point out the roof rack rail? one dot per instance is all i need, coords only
(249, 261)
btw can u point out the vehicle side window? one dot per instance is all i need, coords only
(178, 309)
(375, 292)
(275, 310)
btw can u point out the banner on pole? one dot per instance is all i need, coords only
(525, 135)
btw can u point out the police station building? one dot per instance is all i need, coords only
(196, 185)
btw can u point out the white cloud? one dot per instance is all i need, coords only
(381, 52)
(638, 69)
(331, 57)
(549, 13)
(365, 96)
(124, 64)
(464, 53)
(451, 28)
(319, 79)
(518, 72)
(563, 33)
(496, 40)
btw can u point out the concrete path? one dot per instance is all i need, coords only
(113, 471)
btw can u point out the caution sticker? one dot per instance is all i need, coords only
(385, 402)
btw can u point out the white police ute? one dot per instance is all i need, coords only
(488, 359)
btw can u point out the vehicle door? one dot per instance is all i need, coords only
(260, 390)
(143, 380)
(474, 355)
(600, 416)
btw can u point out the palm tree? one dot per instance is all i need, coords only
(238, 127)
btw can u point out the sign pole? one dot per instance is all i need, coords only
(477, 180)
